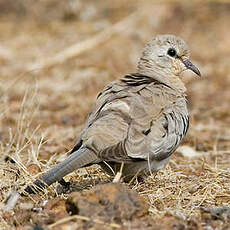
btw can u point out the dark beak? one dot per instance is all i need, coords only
(192, 67)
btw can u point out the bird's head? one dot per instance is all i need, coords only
(168, 55)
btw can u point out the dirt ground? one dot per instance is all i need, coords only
(55, 56)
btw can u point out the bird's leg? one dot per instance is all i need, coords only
(65, 184)
(117, 177)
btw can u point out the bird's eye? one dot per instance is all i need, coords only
(171, 52)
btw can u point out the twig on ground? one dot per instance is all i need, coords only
(85, 218)
(11, 201)
(117, 177)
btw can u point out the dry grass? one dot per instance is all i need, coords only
(42, 111)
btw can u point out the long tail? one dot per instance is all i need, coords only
(76, 160)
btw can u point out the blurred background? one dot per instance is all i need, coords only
(106, 39)
(55, 56)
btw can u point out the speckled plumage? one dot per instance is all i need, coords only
(139, 119)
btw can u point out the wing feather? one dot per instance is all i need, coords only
(135, 118)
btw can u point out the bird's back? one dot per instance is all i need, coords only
(134, 119)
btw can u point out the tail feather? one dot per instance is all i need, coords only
(76, 160)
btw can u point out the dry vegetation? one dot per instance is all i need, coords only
(47, 89)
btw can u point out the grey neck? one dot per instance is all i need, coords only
(162, 75)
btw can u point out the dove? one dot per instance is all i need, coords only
(138, 121)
